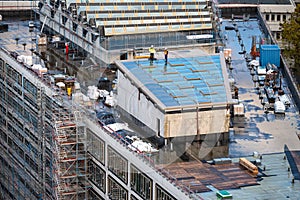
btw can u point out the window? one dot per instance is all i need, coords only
(283, 17)
(267, 17)
(278, 18)
(96, 146)
(162, 194)
(273, 17)
(117, 164)
(30, 87)
(97, 175)
(116, 191)
(158, 127)
(141, 183)
(93, 195)
(278, 35)
(1, 65)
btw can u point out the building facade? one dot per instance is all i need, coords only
(105, 28)
(185, 102)
(276, 14)
(183, 97)
(52, 148)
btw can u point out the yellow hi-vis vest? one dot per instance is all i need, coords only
(151, 50)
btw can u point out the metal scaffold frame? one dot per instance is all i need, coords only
(70, 158)
(36, 133)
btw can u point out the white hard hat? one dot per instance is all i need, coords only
(152, 45)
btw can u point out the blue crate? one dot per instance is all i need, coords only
(269, 54)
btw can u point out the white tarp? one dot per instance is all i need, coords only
(285, 99)
(36, 66)
(261, 70)
(92, 92)
(60, 84)
(77, 86)
(254, 63)
(141, 146)
(116, 127)
(103, 93)
(25, 59)
(110, 100)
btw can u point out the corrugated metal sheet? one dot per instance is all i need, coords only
(269, 54)
(197, 175)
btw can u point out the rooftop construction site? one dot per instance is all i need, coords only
(147, 100)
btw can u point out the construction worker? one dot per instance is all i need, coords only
(69, 92)
(152, 52)
(166, 52)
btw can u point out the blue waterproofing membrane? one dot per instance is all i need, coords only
(183, 81)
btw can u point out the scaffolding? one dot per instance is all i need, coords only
(70, 158)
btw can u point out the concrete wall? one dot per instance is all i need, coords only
(185, 123)
(170, 125)
(228, 12)
(291, 82)
(136, 104)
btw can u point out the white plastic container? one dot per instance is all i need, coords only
(279, 107)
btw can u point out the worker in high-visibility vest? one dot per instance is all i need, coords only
(166, 52)
(152, 52)
(69, 92)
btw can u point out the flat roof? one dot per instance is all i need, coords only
(182, 81)
(198, 175)
(261, 2)
(275, 182)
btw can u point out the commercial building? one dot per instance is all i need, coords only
(107, 28)
(187, 96)
(50, 149)
(275, 13)
(53, 148)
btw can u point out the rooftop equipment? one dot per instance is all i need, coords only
(279, 107)
(285, 100)
(239, 110)
(269, 54)
(249, 166)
